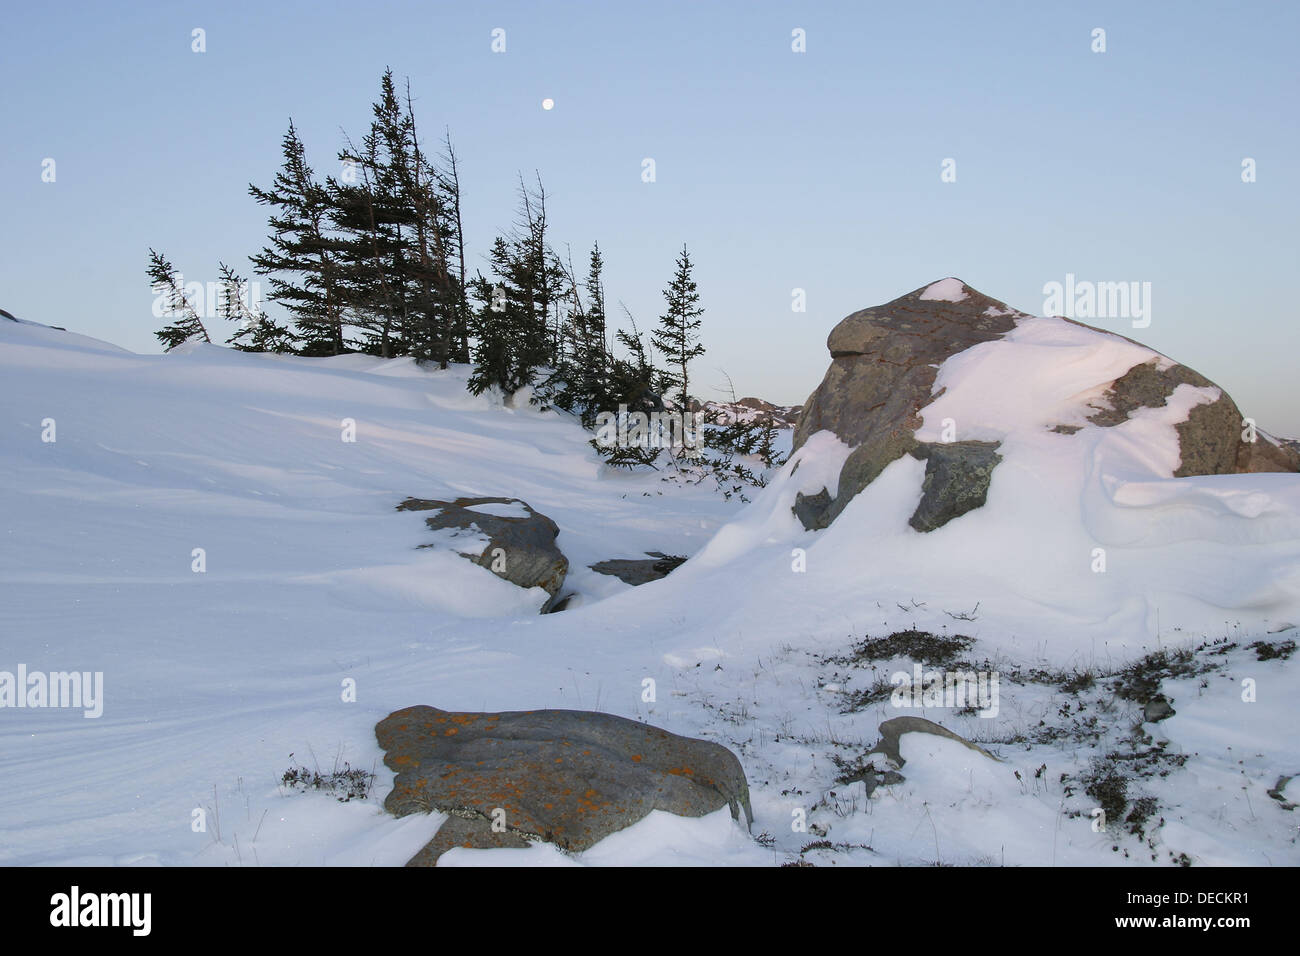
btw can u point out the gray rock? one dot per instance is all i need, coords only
(812, 510)
(894, 728)
(638, 571)
(884, 362)
(1210, 438)
(957, 476)
(522, 550)
(1157, 709)
(1210, 441)
(567, 777)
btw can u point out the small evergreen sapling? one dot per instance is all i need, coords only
(678, 334)
(257, 332)
(166, 282)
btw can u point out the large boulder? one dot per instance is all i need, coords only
(884, 364)
(520, 541)
(884, 361)
(567, 777)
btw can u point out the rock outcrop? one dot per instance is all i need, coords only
(520, 547)
(884, 361)
(566, 777)
(884, 364)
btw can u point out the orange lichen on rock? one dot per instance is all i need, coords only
(569, 777)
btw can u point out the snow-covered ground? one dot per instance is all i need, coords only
(217, 682)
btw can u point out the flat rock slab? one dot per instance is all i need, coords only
(892, 729)
(568, 777)
(637, 571)
(521, 542)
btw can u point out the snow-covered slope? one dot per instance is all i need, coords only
(1087, 545)
(213, 679)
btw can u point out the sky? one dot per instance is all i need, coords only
(994, 142)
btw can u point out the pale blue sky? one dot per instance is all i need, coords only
(780, 170)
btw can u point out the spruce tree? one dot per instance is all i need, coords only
(540, 276)
(583, 370)
(371, 211)
(594, 349)
(512, 331)
(629, 383)
(166, 282)
(432, 232)
(765, 446)
(632, 380)
(678, 334)
(257, 332)
(566, 386)
(449, 189)
(495, 324)
(301, 261)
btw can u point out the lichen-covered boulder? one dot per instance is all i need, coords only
(567, 777)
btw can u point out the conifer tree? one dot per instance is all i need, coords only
(432, 232)
(368, 208)
(495, 324)
(513, 337)
(678, 334)
(257, 332)
(765, 446)
(629, 389)
(583, 371)
(403, 251)
(566, 383)
(301, 261)
(632, 380)
(167, 282)
(595, 350)
(449, 187)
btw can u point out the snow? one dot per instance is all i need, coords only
(945, 290)
(659, 839)
(512, 509)
(313, 578)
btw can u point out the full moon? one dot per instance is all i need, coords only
(548, 103)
